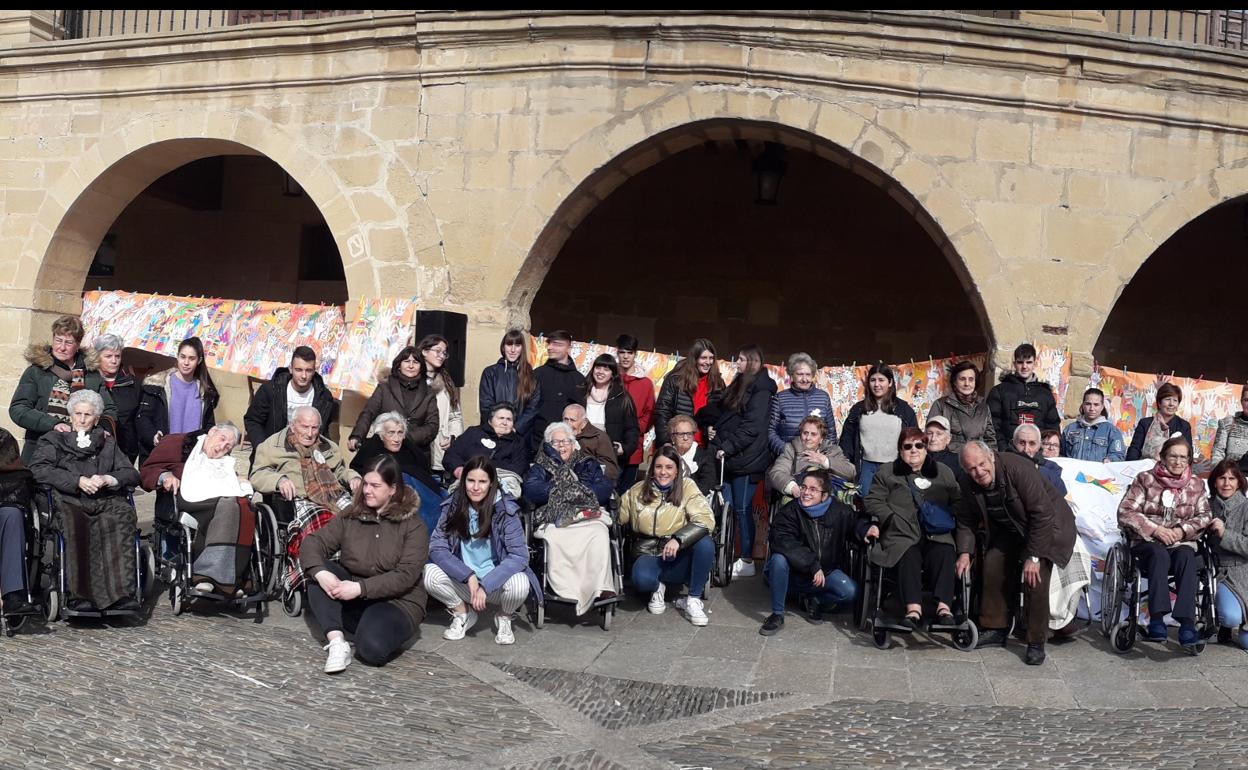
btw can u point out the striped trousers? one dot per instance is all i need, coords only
(508, 598)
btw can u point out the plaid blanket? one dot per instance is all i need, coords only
(309, 517)
(1066, 586)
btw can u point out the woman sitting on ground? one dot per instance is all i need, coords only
(195, 474)
(810, 448)
(373, 588)
(1229, 507)
(91, 479)
(671, 524)
(389, 438)
(569, 491)
(906, 540)
(478, 555)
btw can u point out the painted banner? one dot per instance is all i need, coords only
(245, 337)
(1131, 396)
(382, 327)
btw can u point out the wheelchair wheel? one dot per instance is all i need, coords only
(608, 614)
(292, 603)
(1112, 588)
(14, 624)
(881, 638)
(267, 560)
(52, 606)
(966, 639)
(177, 598)
(721, 575)
(1123, 638)
(539, 616)
(148, 572)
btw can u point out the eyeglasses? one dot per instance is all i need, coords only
(683, 434)
(64, 341)
(813, 490)
(562, 442)
(916, 445)
(1178, 458)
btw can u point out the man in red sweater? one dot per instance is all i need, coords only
(642, 391)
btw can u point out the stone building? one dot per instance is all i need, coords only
(863, 185)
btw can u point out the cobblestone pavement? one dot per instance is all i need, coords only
(210, 690)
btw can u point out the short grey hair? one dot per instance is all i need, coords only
(1026, 428)
(385, 418)
(556, 428)
(576, 409)
(306, 410)
(978, 444)
(108, 342)
(228, 426)
(797, 359)
(89, 397)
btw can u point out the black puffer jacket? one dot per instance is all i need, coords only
(811, 544)
(126, 396)
(621, 418)
(267, 413)
(1015, 401)
(507, 452)
(558, 383)
(742, 434)
(671, 402)
(501, 382)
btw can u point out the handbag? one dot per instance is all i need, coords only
(936, 519)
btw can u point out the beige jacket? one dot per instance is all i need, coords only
(274, 460)
(450, 424)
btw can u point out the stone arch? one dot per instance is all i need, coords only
(607, 156)
(83, 203)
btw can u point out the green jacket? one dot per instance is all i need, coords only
(30, 400)
(892, 506)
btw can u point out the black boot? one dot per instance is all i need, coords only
(1035, 654)
(992, 637)
(772, 625)
(15, 603)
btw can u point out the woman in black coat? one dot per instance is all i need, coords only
(609, 407)
(869, 435)
(737, 428)
(692, 384)
(511, 381)
(178, 400)
(1152, 432)
(494, 439)
(125, 392)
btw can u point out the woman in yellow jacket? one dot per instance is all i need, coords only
(671, 523)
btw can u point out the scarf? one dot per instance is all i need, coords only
(204, 478)
(1156, 436)
(818, 510)
(568, 496)
(320, 484)
(1169, 480)
(969, 400)
(691, 465)
(67, 381)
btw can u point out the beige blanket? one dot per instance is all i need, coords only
(578, 560)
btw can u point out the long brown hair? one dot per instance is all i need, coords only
(387, 467)
(524, 370)
(441, 373)
(735, 395)
(887, 404)
(201, 369)
(648, 492)
(686, 372)
(457, 516)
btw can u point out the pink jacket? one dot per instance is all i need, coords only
(1142, 511)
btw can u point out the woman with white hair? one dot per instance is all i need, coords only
(90, 478)
(387, 438)
(800, 400)
(123, 388)
(569, 490)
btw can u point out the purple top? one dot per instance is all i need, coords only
(186, 407)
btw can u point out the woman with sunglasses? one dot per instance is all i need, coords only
(905, 541)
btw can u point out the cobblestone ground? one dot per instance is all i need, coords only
(210, 690)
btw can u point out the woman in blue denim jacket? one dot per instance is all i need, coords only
(1093, 436)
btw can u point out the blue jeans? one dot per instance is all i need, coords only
(837, 586)
(692, 567)
(866, 474)
(1231, 612)
(739, 493)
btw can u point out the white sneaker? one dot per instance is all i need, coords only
(657, 603)
(205, 587)
(459, 626)
(743, 568)
(504, 635)
(339, 656)
(693, 609)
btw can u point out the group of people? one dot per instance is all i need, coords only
(427, 507)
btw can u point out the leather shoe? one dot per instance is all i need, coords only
(15, 604)
(772, 625)
(1035, 654)
(994, 637)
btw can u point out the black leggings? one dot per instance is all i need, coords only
(933, 559)
(380, 627)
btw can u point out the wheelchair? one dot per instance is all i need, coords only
(263, 575)
(877, 587)
(52, 575)
(725, 534)
(12, 622)
(606, 608)
(1122, 594)
(287, 582)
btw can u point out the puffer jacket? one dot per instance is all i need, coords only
(501, 382)
(656, 522)
(891, 504)
(1143, 508)
(414, 400)
(508, 549)
(59, 462)
(1051, 471)
(810, 544)
(1015, 401)
(558, 383)
(507, 452)
(621, 419)
(787, 467)
(966, 423)
(385, 554)
(153, 416)
(671, 402)
(1232, 547)
(1098, 441)
(1231, 439)
(789, 407)
(742, 433)
(126, 397)
(450, 422)
(29, 407)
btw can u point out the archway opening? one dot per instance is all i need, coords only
(845, 265)
(1180, 313)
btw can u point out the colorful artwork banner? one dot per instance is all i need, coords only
(382, 327)
(1132, 396)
